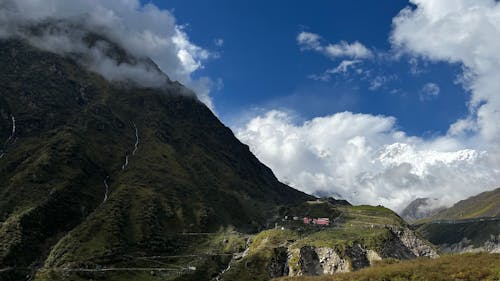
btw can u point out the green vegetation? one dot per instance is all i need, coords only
(465, 267)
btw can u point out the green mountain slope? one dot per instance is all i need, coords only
(96, 170)
(472, 224)
(486, 204)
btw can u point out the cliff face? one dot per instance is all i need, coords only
(403, 244)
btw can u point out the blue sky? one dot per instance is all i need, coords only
(349, 98)
(262, 67)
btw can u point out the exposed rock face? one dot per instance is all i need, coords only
(331, 262)
(373, 256)
(279, 263)
(310, 260)
(358, 257)
(324, 260)
(415, 244)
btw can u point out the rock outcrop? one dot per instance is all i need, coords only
(310, 260)
(418, 246)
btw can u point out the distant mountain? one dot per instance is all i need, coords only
(470, 225)
(420, 208)
(486, 204)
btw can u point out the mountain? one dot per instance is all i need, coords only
(486, 204)
(91, 170)
(469, 225)
(113, 180)
(420, 208)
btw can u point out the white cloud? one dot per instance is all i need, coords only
(381, 80)
(343, 68)
(366, 159)
(464, 32)
(309, 41)
(343, 49)
(429, 91)
(143, 30)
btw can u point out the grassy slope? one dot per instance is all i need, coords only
(466, 267)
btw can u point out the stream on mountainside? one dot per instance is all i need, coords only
(11, 137)
(125, 164)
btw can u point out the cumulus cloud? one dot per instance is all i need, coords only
(366, 158)
(144, 31)
(343, 49)
(429, 91)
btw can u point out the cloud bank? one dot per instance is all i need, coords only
(366, 158)
(145, 31)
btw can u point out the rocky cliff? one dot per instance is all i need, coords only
(361, 236)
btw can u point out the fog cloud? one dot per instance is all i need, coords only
(144, 31)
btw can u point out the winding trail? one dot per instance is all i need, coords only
(463, 221)
(120, 269)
